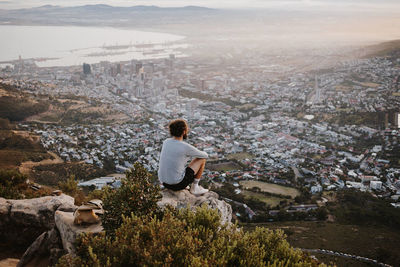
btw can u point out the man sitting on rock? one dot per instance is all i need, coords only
(175, 153)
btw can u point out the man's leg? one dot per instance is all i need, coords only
(197, 165)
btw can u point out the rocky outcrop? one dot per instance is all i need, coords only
(183, 198)
(47, 247)
(47, 223)
(70, 231)
(23, 220)
(10, 262)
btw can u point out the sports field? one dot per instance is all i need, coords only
(271, 188)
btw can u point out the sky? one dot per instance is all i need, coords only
(12, 4)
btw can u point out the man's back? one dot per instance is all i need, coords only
(173, 159)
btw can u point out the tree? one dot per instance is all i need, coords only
(136, 195)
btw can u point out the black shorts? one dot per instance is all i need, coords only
(187, 180)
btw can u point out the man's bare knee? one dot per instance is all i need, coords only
(197, 164)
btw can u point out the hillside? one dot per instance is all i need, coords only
(98, 15)
(390, 48)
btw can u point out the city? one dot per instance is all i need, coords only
(276, 126)
(296, 105)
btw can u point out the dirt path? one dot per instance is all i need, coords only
(27, 166)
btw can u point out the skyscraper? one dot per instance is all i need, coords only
(86, 69)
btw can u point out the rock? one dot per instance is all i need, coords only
(9, 262)
(183, 198)
(22, 221)
(5, 208)
(69, 231)
(44, 246)
(38, 211)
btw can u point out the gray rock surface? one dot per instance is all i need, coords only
(23, 220)
(9, 262)
(44, 246)
(183, 198)
(69, 231)
(5, 207)
(39, 211)
(47, 223)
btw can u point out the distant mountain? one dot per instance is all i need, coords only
(105, 15)
(390, 48)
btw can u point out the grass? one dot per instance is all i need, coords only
(384, 49)
(11, 159)
(224, 166)
(240, 156)
(370, 84)
(269, 200)
(380, 243)
(271, 188)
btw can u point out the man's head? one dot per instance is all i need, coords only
(178, 128)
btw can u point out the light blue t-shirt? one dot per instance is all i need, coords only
(174, 156)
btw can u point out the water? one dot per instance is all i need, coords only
(73, 45)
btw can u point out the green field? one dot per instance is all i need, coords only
(375, 242)
(240, 156)
(269, 200)
(223, 166)
(271, 188)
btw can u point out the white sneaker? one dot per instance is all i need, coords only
(198, 190)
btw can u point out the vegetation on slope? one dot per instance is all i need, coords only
(138, 233)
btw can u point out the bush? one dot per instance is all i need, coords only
(361, 208)
(17, 109)
(70, 186)
(12, 182)
(185, 238)
(136, 195)
(97, 194)
(137, 233)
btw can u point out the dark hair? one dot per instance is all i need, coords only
(176, 127)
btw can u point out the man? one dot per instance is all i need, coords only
(174, 155)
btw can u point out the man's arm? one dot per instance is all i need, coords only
(191, 151)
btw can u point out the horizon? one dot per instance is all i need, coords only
(238, 4)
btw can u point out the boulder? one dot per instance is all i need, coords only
(183, 199)
(70, 231)
(5, 208)
(39, 211)
(9, 262)
(46, 246)
(23, 220)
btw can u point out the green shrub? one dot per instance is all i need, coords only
(137, 233)
(361, 208)
(12, 182)
(97, 194)
(136, 195)
(70, 186)
(19, 108)
(185, 238)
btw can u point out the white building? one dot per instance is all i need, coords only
(376, 185)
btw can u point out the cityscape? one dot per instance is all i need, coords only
(293, 137)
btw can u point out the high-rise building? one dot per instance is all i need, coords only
(119, 68)
(86, 69)
(318, 92)
(139, 65)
